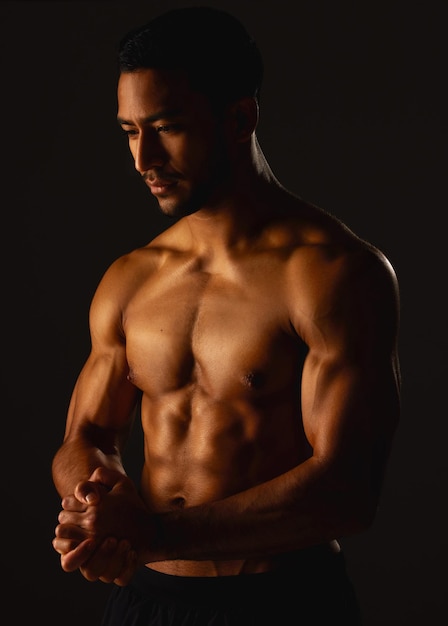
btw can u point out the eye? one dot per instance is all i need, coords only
(166, 128)
(128, 132)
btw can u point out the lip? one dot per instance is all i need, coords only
(158, 187)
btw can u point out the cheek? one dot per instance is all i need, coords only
(199, 152)
(132, 149)
(194, 157)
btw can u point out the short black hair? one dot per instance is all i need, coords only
(213, 47)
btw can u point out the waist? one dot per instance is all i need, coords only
(305, 559)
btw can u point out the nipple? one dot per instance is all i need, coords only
(254, 379)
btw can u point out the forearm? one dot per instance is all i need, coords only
(298, 509)
(76, 460)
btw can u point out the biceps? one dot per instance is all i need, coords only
(103, 395)
(348, 408)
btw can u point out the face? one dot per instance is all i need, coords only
(177, 142)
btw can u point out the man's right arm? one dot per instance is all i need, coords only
(100, 415)
(103, 401)
(99, 419)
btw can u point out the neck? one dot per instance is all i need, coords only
(247, 201)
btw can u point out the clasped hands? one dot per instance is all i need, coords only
(103, 528)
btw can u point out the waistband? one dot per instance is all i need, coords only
(301, 565)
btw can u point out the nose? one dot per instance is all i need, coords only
(148, 152)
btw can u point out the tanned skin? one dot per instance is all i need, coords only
(259, 334)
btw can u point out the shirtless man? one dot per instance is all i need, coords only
(258, 337)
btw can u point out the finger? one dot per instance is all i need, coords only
(64, 546)
(71, 531)
(109, 560)
(70, 518)
(71, 503)
(100, 560)
(129, 569)
(74, 559)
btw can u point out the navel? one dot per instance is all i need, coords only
(178, 503)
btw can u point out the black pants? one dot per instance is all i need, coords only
(313, 590)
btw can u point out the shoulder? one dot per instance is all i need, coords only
(324, 246)
(127, 272)
(125, 275)
(334, 274)
(337, 261)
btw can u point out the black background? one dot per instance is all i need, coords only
(353, 118)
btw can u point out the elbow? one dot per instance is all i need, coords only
(359, 513)
(363, 519)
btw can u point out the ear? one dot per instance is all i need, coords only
(243, 116)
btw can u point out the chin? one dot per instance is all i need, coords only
(176, 210)
(181, 207)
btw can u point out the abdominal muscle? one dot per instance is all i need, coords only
(199, 450)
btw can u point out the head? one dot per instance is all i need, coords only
(188, 99)
(214, 50)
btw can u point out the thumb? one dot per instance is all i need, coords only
(89, 492)
(106, 477)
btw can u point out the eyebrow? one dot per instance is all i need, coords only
(164, 114)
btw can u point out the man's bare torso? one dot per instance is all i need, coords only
(210, 343)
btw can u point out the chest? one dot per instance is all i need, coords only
(230, 334)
